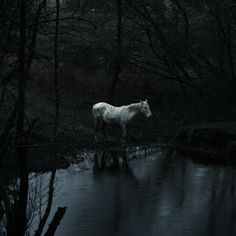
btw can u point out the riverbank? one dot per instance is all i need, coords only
(214, 142)
(44, 153)
(204, 142)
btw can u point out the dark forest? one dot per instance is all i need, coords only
(167, 65)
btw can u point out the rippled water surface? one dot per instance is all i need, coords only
(157, 195)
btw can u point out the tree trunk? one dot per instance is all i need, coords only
(55, 221)
(117, 60)
(56, 121)
(20, 220)
(56, 85)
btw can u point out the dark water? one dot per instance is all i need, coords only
(157, 195)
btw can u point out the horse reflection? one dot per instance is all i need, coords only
(110, 159)
(110, 162)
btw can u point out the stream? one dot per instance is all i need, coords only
(156, 194)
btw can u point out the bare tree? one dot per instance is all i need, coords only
(43, 220)
(20, 221)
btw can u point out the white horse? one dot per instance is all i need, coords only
(104, 113)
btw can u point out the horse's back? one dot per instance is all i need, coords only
(100, 106)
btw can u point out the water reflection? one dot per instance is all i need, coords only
(156, 195)
(110, 158)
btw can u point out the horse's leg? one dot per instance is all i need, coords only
(123, 127)
(104, 129)
(115, 158)
(124, 158)
(96, 160)
(96, 128)
(103, 161)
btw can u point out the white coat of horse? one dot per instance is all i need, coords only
(104, 113)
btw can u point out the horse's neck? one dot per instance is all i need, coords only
(134, 109)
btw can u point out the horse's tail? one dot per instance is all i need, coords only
(96, 112)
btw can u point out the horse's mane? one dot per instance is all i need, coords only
(134, 107)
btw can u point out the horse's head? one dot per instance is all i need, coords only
(145, 109)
